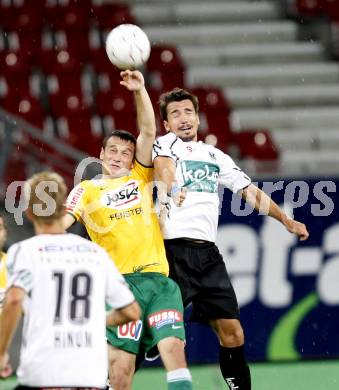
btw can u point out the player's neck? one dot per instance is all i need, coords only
(55, 227)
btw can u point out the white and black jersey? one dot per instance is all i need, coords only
(68, 281)
(200, 168)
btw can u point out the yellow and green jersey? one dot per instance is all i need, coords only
(119, 216)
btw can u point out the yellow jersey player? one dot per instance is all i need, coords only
(117, 210)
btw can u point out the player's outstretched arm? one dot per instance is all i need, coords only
(121, 316)
(9, 319)
(134, 81)
(265, 205)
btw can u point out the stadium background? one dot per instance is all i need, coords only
(267, 77)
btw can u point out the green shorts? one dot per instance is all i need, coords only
(162, 314)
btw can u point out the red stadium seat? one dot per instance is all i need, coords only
(101, 64)
(82, 131)
(74, 16)
(332, 10)
(257, 145)
(59, 61)
(28, 107)
(67, 103)
(120, 105)
(166, 68)
(214, 114)
(108, 15)
(310, 7)
(75, 42)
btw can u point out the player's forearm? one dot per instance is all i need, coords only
(263, 203)
(9, 320)
(145, 113)
(164, 173)
(124, 315)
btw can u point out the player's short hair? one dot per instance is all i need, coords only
(46, 194)
(176, 95)
(122, 134)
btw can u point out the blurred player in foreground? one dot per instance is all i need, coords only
(118, 213)
(190, 230)
(60, 282)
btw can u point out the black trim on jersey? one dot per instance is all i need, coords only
(145, 166)
(72, 215)
(156, 145)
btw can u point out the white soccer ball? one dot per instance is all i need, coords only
(127, 46)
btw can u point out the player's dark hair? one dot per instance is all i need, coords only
(122, 134)
(176, 95)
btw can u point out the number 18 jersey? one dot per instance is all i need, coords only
(68, 280)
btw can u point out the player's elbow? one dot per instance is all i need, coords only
(14, 297)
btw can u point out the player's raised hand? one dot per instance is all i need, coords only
(133, 80)
(297, 228)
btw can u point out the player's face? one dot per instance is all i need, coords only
(182, 120)
(117, 157)
(3, 233)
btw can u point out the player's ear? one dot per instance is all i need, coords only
(101, 154)
(166, 126)
(29, 214)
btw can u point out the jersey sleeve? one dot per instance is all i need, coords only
(118, 294)
(75, 201)
(165, 146)
(19, 268)
(146, 173)
(231, 176)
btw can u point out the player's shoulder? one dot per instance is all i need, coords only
(168, 139)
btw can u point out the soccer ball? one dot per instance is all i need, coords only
(127, 46)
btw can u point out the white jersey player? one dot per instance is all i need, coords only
(61, 282)
(200, 168)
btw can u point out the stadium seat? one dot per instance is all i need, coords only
(28, 107)
(60, 61)
(75, 42)
(101, 64)
(332, 10)
(214, 114)
(108, 15)
(83, 131)
(119, 104)
(256, 145)
(66, 103)
(74, 16)
(310, 7)
(165, 68)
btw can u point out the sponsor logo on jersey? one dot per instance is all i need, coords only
(131, 330)
(123, 197)
(80, 248)
(74, 199)
(164, 317)
(200, 176)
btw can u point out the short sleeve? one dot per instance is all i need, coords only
(75, 201)
(146, 173)
(231, 176)
(118, 294)
(19, 268)
(165, 146)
